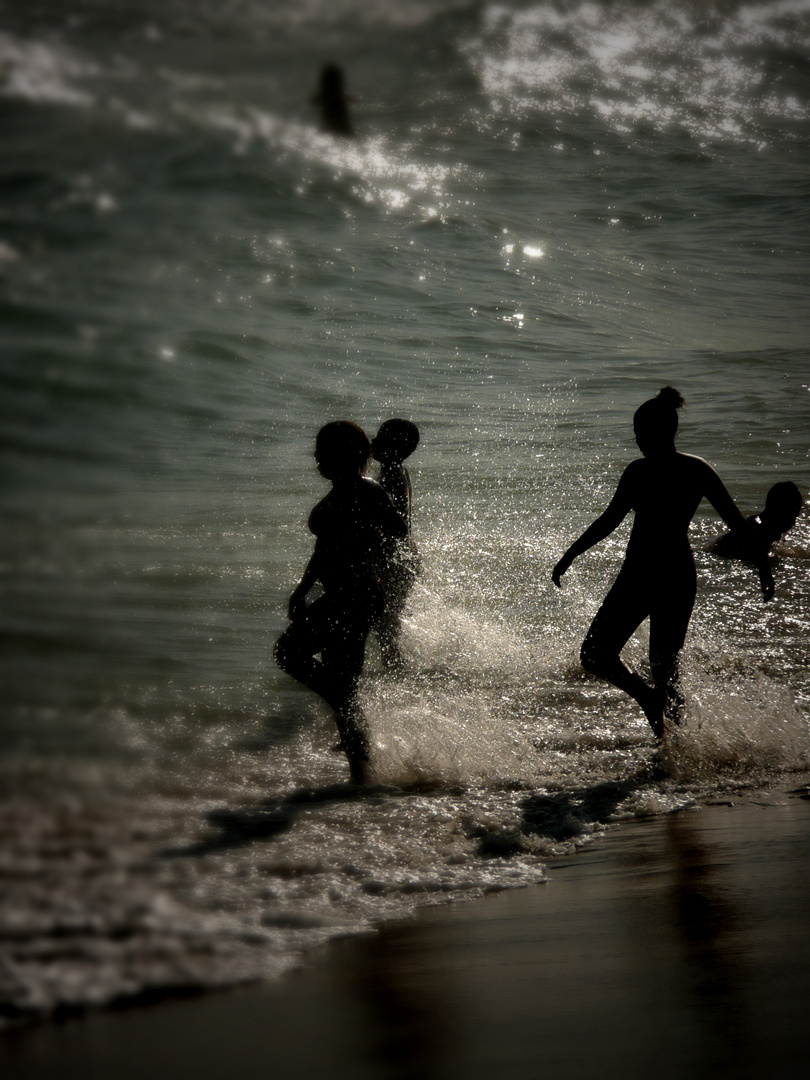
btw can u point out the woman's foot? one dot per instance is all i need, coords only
(675, 708)
(354, 741)
(653, 702)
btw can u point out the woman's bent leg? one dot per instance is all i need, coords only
(336, 630)
(344, 660)
(623, 611)
(296, 652)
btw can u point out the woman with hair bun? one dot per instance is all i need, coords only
(657, 580)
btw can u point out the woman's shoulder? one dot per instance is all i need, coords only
(686, 466)
(698, 466)
(634, 473)
(693, 460)
(371, 493)
(318, 514)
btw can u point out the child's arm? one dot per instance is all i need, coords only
(396, 483)
(749, 543)
(766, 578)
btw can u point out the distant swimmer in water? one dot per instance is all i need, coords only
(783, 504)
(394, 442)
(657, 580)
(324, 646)
(334, 102)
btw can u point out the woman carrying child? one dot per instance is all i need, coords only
(657, 580)
(324, 646)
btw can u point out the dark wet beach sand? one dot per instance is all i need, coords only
(677, 946)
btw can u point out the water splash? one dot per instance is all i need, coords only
(740, 722)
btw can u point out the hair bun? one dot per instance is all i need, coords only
(668, 395)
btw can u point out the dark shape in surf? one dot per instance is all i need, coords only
(657, 580)
(333, 102)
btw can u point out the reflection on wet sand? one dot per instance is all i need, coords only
(676, 946)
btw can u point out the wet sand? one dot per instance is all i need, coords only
(677, 946)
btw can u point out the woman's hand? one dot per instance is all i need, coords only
(560, 569)
(298, 602)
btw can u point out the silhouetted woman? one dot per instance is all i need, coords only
(354, 526)
(657, 579)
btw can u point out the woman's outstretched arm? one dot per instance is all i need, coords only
(717, 494)
(617, 510)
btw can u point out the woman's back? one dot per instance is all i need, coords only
(664, 492)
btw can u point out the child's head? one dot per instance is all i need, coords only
(396, 440)
(341, 449)
(783, 504)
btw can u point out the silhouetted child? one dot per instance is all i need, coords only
(783, 504)
(333, 101)
(324, 646)
(395, 441)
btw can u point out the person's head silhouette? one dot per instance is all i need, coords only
(396, 440)
(783, 504)
(656, 422)
(342, 450)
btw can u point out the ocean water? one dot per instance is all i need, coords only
(549, 211)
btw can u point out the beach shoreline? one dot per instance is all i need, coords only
(681, 940)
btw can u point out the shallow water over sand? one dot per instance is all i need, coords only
(680, 939)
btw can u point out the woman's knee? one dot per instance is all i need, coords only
(282, 653)
(588, 656)
(594, 657)
(665, 668)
